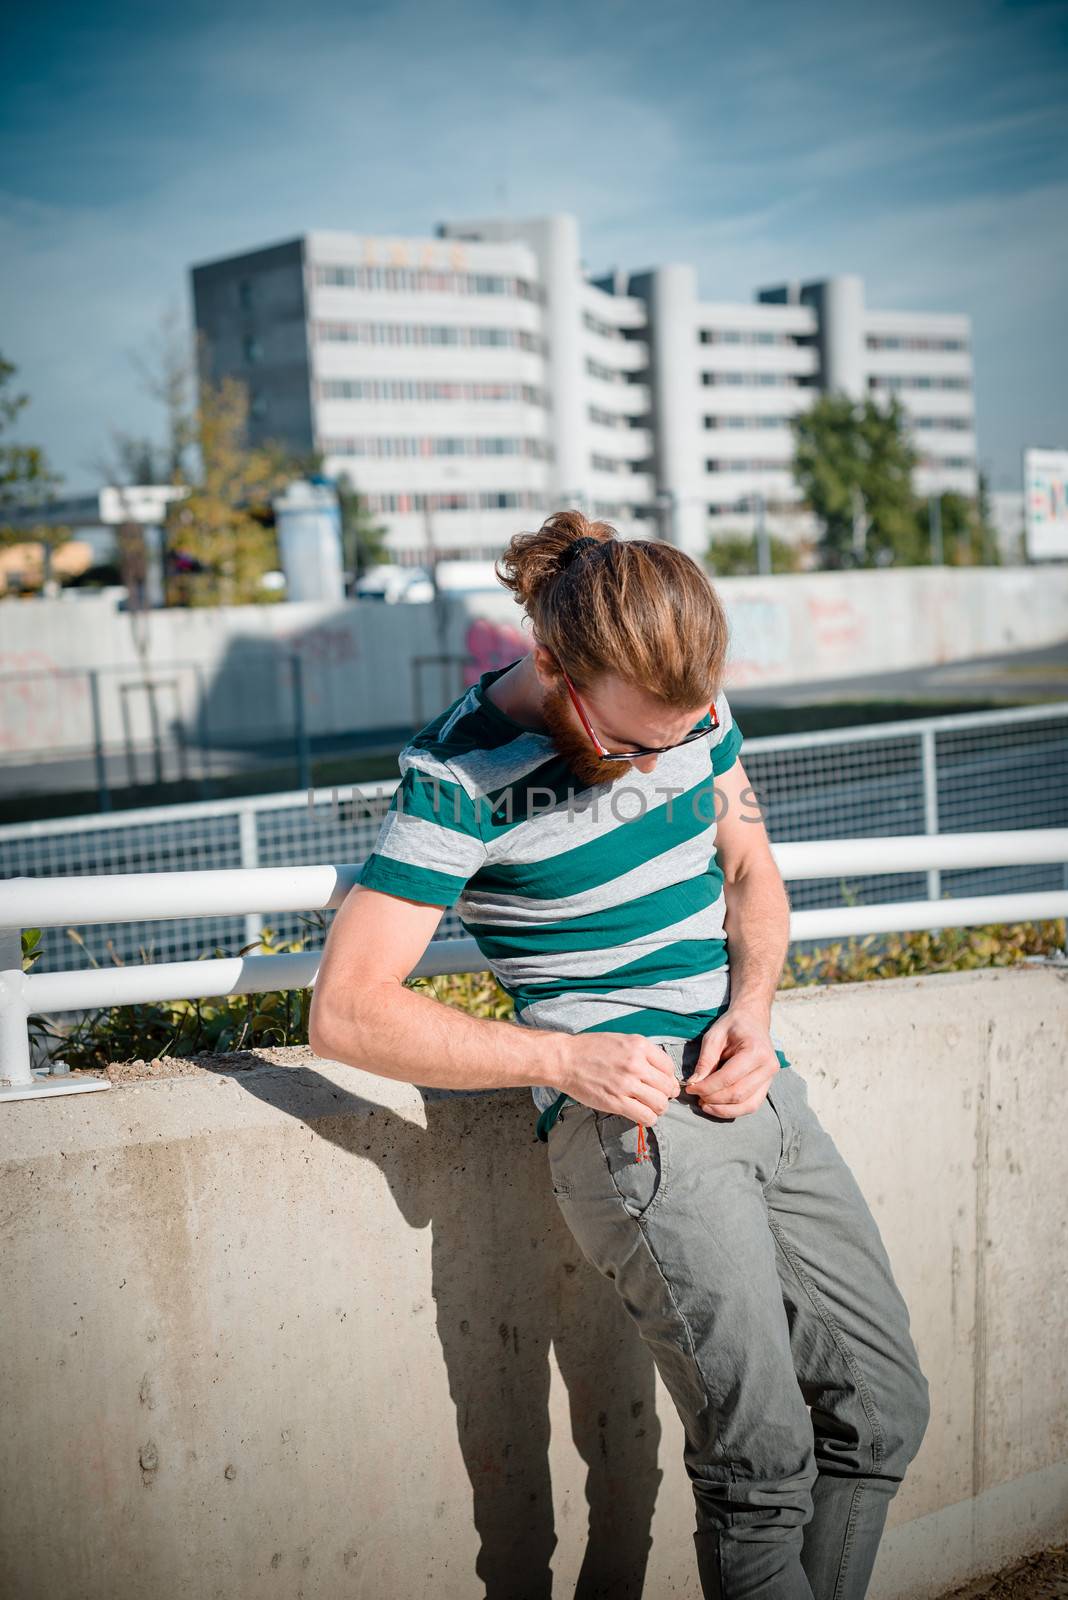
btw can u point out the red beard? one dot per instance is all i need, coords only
(574, 743)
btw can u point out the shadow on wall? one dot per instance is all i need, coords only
(369, 669)
(509, 1281)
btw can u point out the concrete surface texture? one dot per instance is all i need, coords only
(279, 1326)
(225, 674)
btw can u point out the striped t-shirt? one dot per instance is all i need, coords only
(597, 908)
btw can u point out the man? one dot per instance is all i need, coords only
(586, 811)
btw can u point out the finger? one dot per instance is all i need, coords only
(736, 1094)
(738, 1067)
(637, 1110)
(728, 1113)
(742, 1095)
(712, 1054)
(661, 1073)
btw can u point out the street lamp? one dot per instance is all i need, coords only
(934, 518)
(667, 505)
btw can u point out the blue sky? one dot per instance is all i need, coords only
(924, 146)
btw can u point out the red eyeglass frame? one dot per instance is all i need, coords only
(631, 755)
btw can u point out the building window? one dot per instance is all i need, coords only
(411, 280)
(403, 502)
(747, 422)
(603, 329)
(894, 384)
(761, 336)
(253, 349)
(926, 342)
(428, 390)
(389, 447)
(758, 380)
(426, 333)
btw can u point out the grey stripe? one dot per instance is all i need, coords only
(577, 1010)
(407, 838)
(544, 965)
(686, 860)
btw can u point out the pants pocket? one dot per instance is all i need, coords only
(638, 1182)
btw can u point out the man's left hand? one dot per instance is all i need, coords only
(735, 1067)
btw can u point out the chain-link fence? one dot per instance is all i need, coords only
(987, 770)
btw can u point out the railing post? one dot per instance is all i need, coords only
(249, 843)
(15, 1066)
(300, 723)
(99, 758)
(930, 804)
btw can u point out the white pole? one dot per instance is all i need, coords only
(14, 1040)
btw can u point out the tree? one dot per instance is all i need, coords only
(219, 534)
(26, 479)
(220, 526)
(968, 540)
(734, 555)
(853, 461)
(363, 541)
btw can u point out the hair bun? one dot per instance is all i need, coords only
(569, 552)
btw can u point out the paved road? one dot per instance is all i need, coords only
(1035, 675)
(1030, 675)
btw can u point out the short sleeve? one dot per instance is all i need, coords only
(727, 740)
(430, 842)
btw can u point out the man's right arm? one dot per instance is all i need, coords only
(363, 1014)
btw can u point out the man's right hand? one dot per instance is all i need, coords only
(621, 1073)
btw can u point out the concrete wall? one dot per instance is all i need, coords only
(357, 658)
(300, 1330)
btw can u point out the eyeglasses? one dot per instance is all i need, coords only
(631, 755)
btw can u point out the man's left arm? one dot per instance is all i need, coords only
(738, 1059)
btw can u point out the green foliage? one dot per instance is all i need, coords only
(221, 522)
(236, 1022)
(477, 992)
(31, 947)
(180, 1027)
(26, 479)
(907, 955)
(734, 554)
(968, 540)
(363, 540)
(853, 462)
(25, 476)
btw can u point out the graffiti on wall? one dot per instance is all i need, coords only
(760, 640)
(490, 645)
(37, 701)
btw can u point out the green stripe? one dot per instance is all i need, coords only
(724, 753)
(607, 856)
(686, 958)
(410, 882)
(649, 913)
(437, 801)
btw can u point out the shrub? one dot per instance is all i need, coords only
(248, 1022)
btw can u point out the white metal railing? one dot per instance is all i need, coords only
(946, 774)
(43, 902)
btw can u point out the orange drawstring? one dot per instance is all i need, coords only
(643, 1153)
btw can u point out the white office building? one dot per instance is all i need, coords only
(472, 382)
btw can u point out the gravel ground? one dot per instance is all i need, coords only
(1039, 1577)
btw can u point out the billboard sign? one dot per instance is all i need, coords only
(1046, 504)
